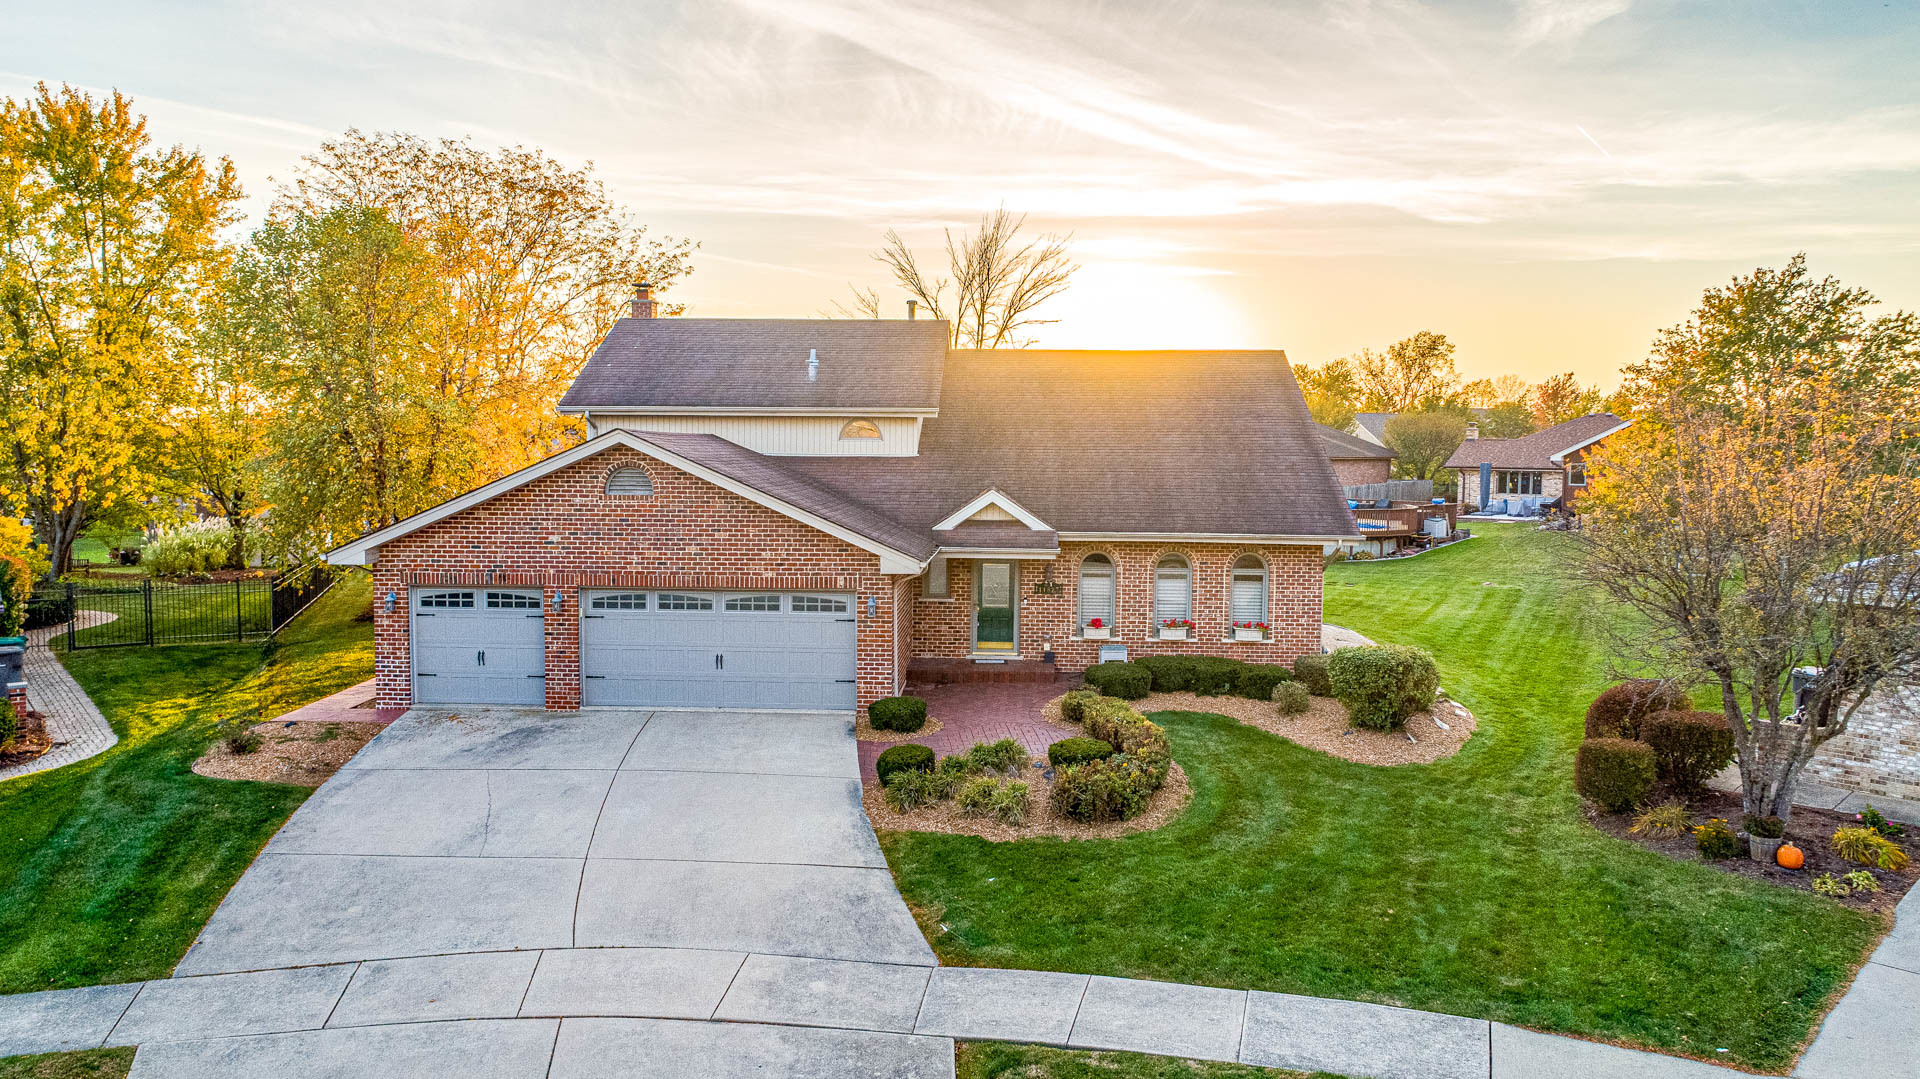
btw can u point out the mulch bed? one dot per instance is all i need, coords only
(867, 732)
(30, 741)
(300, 753)
(947, 816)
(1324, 726)
(1810, 829)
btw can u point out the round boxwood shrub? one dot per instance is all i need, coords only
(1618, 712)
(1127, 681)
(905, 714)
(1383, 684)
(1618, 773)
(1689, 747)
(910, 757)
(1077, 751)
(1258, 680)
(1311, 670)
(1292, 697)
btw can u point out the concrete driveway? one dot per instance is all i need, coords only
(504, 829)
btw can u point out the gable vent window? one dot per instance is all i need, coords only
(1096, 590)
(1248, 596)
(860, 429)
(1172, 589)
(630, 483)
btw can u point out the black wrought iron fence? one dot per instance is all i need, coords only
(150, 612)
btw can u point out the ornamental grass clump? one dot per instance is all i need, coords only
(1005, 756)
(1865, 846)
(1009, 804)
(1383, 684)
(1669, 821)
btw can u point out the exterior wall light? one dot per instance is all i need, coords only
(390, 599)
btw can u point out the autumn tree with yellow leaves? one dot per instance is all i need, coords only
(1763, 515)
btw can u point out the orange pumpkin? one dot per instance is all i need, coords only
(1790, 856)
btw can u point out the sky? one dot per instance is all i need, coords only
(1547, 182)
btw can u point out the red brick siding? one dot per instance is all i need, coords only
(944, 628)
(1354, 471)
(561, 533)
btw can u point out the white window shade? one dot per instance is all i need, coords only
(1247, 597)
(1096, 590)
(1172, 590)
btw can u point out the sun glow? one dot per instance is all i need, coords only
(1146, 305)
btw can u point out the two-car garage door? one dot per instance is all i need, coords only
(718, 649)
(640, 649)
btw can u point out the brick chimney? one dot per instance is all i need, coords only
(1473, 430)
(643, 305)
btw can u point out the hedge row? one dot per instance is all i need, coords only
(1208, 676)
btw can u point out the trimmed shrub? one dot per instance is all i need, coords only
(1257, 681)
(1010, 803)
(1311, 671)
(976, 796)
(1077, 751)
(1213, 676)
(1715, 839)
(905, 714)
(1121, 727)
(1127, 681)
(1292, 697)
(1073, 705)
(1618, 712)
(1005, 756)
(910, 757)
(1616, 772)
(1113, 789)
(1688, 747)
(1170, 674)
(1383, 684)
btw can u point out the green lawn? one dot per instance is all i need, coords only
(111, 866)
(186, 613)
(997, 1060)
(1471, 886)
(84, 1064)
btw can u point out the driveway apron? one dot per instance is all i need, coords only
(510, 829)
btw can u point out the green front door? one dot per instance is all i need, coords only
(993, 594)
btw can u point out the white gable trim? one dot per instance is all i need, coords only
(1608, 433)
(991, 497)
(365, 550)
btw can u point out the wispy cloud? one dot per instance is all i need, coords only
(1561, 21)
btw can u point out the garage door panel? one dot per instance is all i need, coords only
(478, 646)
(719, 650)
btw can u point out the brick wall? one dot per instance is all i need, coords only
(1353, 471)
(1880, 753)
(943, 627)
(17, 700)
(561, 533)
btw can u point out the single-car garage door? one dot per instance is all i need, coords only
(665, 649)
(478, 646)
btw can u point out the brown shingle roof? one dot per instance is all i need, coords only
(1341, 446)
(1130, 442)
(1534, 451)
(762, 363)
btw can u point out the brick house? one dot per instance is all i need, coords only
(1355, 460)
(1534, 470)
(793, 514)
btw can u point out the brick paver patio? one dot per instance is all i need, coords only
(982, 712)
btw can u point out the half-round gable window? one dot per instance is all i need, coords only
(860, 429)
(629, 483)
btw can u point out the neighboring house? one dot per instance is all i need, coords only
(1533, 470)
(789, 514)
(1355, 460)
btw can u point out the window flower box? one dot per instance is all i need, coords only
(1175, 629)
(1096, 630)
(1250, 631)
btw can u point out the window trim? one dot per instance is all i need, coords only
(1082, 618)
(1576, 474)
(1234, 570)
(1506, 480)
(1186, 568)
(854, 430)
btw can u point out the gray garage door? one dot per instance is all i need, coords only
(667, 649)
(478, 646)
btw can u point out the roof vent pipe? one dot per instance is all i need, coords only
(913, 310)
(813, 365)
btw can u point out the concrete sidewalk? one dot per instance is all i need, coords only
(1875, 1029)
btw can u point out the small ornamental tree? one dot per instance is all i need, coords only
(1763, 514)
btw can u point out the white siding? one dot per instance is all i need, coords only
(796, 436)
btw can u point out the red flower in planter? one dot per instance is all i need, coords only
(1177, 623)
(1096, 623)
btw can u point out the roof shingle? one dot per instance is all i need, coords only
(1534, 451)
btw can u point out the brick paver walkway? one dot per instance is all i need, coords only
(71, 717)
(981, 712)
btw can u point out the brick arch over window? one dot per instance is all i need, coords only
(628, 480)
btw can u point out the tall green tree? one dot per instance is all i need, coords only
(1422, 441)
(1414, 373)
(1332, 392)
(105, 243)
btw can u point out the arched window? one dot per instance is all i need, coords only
(1172, 589)
(1247, 593)
(860, 429)
(1096, 590)
(630, 483)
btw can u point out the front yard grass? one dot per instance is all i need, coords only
(999, 1060)
(109, 867)
(1473, 885)
(80, 1064)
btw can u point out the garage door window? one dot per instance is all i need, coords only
(515, 601)
(754, 603)
(447, 599)
(621, 601)
(819, 605)
(673, 601)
